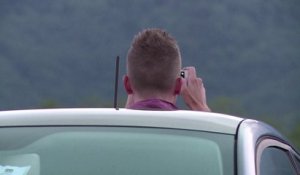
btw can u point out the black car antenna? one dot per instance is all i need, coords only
(116, 83)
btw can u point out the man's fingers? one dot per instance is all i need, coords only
(183, 84)
(193, 91)
(191, 72)
(200, 81)
(191, 79)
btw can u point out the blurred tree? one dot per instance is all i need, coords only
(246, 51)
(227, 105)
(295, 136)
(95, 101)
(49, 104)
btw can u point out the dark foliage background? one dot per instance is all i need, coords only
(60, 53)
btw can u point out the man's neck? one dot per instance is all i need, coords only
(163, 97)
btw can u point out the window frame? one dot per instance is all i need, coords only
(267, 142)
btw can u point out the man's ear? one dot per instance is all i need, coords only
(177, 86)
(127, 85)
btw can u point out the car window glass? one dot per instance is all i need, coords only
(114, 151)
(298, 163)
(276, 161)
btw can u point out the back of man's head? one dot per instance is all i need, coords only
(153, 62)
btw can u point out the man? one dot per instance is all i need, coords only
(153, 79)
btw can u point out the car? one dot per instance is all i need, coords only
(134, 142)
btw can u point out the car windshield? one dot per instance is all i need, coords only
(113, 151)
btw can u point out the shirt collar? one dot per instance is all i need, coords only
(154, 104)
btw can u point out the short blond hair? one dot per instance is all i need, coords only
(153, 61)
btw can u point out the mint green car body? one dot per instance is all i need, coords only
(109, 141)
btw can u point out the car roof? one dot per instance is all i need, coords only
(181, 119)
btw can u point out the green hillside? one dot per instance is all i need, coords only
(60, 53)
